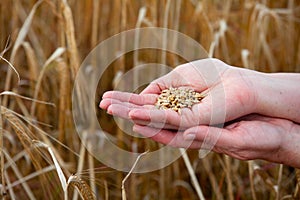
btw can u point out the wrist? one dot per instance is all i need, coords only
(260, 82)
(278, 96)
(263, 90)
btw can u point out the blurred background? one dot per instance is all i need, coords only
(45, 42)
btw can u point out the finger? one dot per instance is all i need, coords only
(157, 125)
(119, 110)
(211, 135)
(105, 103)
(156, 116)
(153, 88)
(173, 79)
(156, 86)
(167, 137)
(122, 109)
(137, 99)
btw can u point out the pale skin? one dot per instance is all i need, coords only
(261, 111)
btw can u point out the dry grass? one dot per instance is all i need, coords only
(45, 41)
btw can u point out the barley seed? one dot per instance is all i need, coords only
(178, 98)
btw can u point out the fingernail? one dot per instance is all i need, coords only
(109, 111)
(134, 127)
(190, 136)
(131, 112)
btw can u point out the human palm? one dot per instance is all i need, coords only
(226, 89)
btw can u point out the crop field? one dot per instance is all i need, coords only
(43, 44)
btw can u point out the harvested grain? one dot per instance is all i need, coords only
(178, 98)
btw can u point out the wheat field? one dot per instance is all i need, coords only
(42, 45)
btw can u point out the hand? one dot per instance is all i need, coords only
(228, 89)
(252, 137)
(235, 91)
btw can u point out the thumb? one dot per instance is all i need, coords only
(156, 86)
(172, 79)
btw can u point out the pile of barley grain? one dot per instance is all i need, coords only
(178, 98)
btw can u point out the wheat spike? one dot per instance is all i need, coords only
(82, 187)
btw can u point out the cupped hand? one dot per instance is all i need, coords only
(251, 137)
(229, 91)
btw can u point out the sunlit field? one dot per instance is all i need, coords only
(42, 46)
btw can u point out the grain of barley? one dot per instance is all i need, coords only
(178, 98)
